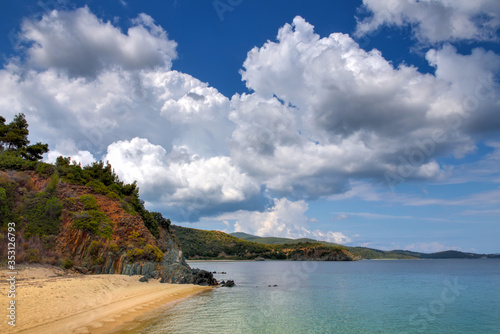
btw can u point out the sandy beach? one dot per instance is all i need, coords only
(51, 300)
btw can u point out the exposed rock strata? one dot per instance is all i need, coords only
(94, 254)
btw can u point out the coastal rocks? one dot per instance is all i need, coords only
(143, 279)
(176, 273)
(203, 277)
(228, 284)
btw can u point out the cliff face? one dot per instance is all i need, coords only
(127, 247)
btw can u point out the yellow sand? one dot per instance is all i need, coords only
(49, 300)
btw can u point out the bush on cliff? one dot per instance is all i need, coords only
(92, 219)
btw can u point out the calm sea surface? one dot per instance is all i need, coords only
(400, 296)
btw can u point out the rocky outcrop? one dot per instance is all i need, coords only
(131, 250)
(229, 284)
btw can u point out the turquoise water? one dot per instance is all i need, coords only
(400, 296)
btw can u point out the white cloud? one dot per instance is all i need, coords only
(323, 115)
(67, 148)
(180, 180)
(435, 21)
(117, 105)
(324, 110)
(284, 219)
(83, 45)
(358, 189)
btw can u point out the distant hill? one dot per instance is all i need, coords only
(202, 244)
(273, 240)
(367, 253)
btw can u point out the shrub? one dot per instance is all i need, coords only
(43, 168)
(52, 185)
(134, 236)
(48, 242)
(112, 195)
(69, 202)
(71, 172)
(161, 221)
(98, 187)
(95, 222)
(12, 160)
(94, 248)
(67, 263)
(89, 202)
(32, 256)
(153, 253)
(113, 247)
(127, 206)
(42, 215)
(135, 253)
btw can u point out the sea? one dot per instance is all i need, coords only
(369, 296)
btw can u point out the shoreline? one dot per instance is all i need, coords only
(52, 300)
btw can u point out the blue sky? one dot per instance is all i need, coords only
(372, 123)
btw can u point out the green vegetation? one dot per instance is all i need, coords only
(201, 244)
(32, 256)
(368, 253)
(103, 180)
(8, 197)
(149, 252)
(67, 264)
(15, 151)
(37, 208)
(113, 248)
(17, 154)
(360, 252)
(92, 219)
(42, 215)
(138, 249)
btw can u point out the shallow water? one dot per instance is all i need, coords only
(399, 296)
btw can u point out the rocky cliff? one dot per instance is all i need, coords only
(97, 233)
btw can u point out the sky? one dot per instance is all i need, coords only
(369, 123)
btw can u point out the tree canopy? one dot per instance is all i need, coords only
(14, 139)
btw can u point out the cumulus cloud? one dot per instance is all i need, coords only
(83, 45)
(321, 114)
(181, 183)
(435, 21)
(117, 105)
(67, 148)
(284, 219)
(324, 110)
